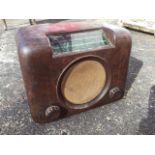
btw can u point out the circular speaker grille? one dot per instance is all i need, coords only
(83, 81)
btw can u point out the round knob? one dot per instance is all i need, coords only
(115, 92)
(52, 112)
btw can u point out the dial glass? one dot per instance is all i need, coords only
(78, 41)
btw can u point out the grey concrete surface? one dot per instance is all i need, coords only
(134, 114)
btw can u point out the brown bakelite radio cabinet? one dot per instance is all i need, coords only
(72, 67)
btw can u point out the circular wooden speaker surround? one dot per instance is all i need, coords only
(83, 81)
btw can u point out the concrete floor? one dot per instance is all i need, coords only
(134, 114)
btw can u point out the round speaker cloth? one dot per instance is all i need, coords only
(83, 81)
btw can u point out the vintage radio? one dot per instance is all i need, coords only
(72, 67)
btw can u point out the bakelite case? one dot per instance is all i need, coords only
(43, 70)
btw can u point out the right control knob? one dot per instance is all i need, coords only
(115, 93)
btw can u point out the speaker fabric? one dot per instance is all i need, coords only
(83, 81)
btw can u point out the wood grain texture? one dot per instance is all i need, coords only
(42, 70)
